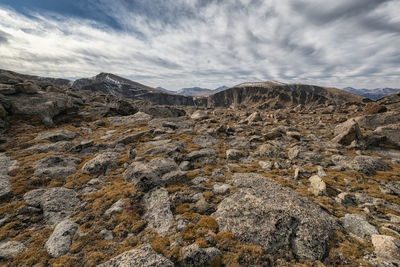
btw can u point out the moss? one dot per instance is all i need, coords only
(208, 223)
(182, 208)
(159, 244)
(94, 258)
(65, 260)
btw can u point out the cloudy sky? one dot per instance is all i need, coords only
(207, 43)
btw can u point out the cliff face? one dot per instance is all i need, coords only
(277, 95)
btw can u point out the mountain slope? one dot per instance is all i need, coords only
(373, 94)
(198, 91)
(278, 95)
(115, 85)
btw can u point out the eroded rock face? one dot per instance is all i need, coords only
(60, 240)
(158, 212)
(265, 213)
(142, 256)
(391, 132)
(56, 166)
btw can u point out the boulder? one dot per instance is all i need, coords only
(364, 164)
(143, 256)
(205, 140)
(221, 188)
(158, 213)
(7, 89)
(199, 115)
(391, 132)
(358, 225)
(60, 240)
(265, 213)
(318, 186)
(27, 88)
(57, 203)
(234, 154)
(193, 256)
(56, 136)
(56, 166)
(202, 153)
(101, 163)
(11, 249)
(386, 247)
(347, 132)
(371, 122)
(147, 176)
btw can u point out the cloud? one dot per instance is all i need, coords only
(185, 43)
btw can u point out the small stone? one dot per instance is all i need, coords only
(234, 154)
(199, 115)
(221, 188)
(158, 211)
(101, 162)
(59, 242)
(117, 207)
(318, 186)
(106, 234)
(266, 165)
(321, 172)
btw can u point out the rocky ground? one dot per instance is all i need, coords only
(88, 179)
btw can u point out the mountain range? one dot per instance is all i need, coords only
(373, 94)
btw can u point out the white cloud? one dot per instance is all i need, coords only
(189, 43)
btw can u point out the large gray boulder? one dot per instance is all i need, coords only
(60, 240)
(265, 213)
(347, 132)
(57, 203)
(364, 164)
(143, 256)
(158, 212)
(56, 136)
(56, 166)
(193, 256)
(146, 176)
(101, 162)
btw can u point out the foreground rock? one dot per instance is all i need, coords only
(11, 249)
(347, 132)
(265, 213)
(158, 213)
(143, 256)
(56, 166)
(194, 255)
(60, 240)
(101, 162)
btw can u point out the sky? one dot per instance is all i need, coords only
(206, 43)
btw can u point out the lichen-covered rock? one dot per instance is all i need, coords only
(11, 249)
(101, 162)
(131, 119)
(347, 132)
(56, 136)
(265, 213)
(193, 256)
(60, 240)
(117, 207)
(364, 164)
(57, 203)
(143, 256)
(358, 225)
(318, 186)
(5, 185)
(158, 212)
(56, 166)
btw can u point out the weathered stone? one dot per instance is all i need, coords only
(27, 88)
(56, 166)
(133, 137)
(205, 140)
(173, 177)
(371, 122)
(131, 119)
(117, 207)
(158, 212)
(11, 249)
(266, 165)
(199, 115)
(254, 117)
(358, 225)
(347, 132)
(391, 132)
(101, 163)
(265, 213)
(193, 256)
(270, 151)
(60, 240)
(52, 147)
(3, 112)
(205, 152)
(57, 203)
(7, 89)
(386, 246)
(318, 186)
(5, 185)
(221, 188)
(56, 136)
(234, 154)
(143, 256)
(365, 164)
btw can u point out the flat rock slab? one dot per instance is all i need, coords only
(57, 203)
(132, 119)
(265, 213)
(365, 164)
(56, 136)
(158, 212)
(143, 256)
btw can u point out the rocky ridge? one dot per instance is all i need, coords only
(92, 179)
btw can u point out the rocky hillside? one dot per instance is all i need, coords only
(92, 179)
(272, 95)
(198, 91)
(112, 84)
